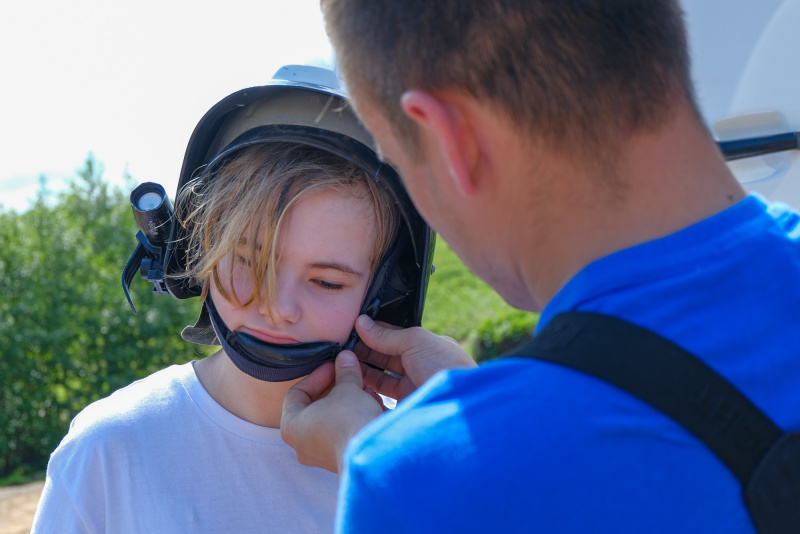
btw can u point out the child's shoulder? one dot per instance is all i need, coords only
(150, 399)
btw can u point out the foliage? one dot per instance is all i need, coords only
(500, 334)
(67, 334)
(458, 302)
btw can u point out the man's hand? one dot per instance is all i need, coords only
(414, 354)
(319, 426)
(322, 412)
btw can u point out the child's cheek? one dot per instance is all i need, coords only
(242, 287)
(338, 318)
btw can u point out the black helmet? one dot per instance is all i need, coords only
(304, 105)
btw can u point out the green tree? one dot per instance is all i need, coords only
(67, 334)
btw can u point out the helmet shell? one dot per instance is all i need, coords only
(307, 105)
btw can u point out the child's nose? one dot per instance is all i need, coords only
(283, 307)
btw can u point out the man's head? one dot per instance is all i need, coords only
(520, 127)
(577, 75)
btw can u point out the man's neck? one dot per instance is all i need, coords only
(668, 179)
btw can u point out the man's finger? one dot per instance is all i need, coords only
(377, 398)
(387, 342)
(378, 360)
(308, 390)
(348, 369)
(383, 383)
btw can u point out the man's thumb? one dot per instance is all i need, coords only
(386, 339)
(348, 369)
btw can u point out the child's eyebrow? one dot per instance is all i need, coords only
(346, 269)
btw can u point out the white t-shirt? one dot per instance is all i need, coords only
(162, 456)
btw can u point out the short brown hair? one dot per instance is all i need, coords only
(250, 194)
(575, 74)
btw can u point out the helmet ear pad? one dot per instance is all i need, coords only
(201, 333)
(394, 280)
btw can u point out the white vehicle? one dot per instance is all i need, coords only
(748, 87)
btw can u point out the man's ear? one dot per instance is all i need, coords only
(447, 124)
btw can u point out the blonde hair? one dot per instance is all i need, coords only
(250, 194)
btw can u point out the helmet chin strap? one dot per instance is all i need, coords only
(272, 362)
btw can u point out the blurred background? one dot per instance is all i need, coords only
(99, 96)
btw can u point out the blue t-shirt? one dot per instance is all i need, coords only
(519, 445)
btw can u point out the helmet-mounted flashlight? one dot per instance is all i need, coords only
(152, 211)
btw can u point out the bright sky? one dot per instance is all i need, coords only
(129, 81)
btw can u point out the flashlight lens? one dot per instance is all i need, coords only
(148, 201)
(152, 212)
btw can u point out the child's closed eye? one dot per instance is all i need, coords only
(329, 286)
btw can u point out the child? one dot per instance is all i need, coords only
(287, 237)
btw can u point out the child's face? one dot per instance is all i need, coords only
(325, 246)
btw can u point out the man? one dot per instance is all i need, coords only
(557, 148)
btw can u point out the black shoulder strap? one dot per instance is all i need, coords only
(683, 387)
